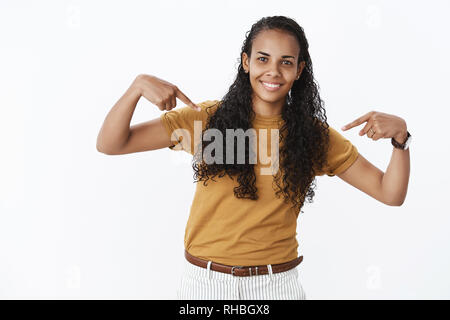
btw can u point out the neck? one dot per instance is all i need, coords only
(266, 108)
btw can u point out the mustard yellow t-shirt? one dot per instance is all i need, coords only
(244, 232)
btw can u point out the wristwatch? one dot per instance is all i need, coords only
(404, 145)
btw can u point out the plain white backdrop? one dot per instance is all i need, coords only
(79, 224)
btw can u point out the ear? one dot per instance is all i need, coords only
(245, 61)
(300, 68)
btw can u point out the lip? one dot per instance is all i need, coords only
(271, 89)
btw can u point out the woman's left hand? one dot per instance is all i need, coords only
(380, 125)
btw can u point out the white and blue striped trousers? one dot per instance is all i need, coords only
(199, 283)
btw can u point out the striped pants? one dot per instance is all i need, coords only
(198, 283)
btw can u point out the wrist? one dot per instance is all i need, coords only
(136, 86)
(401, 137)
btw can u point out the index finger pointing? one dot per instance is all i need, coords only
(357, 122)
(187, 101)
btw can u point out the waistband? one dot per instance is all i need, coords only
(243, 271)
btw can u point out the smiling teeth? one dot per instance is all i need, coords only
(271, 85)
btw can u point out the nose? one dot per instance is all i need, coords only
(273, 70)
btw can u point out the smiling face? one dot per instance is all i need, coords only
(273, 60)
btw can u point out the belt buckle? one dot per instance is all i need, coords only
(242, 267)
(235, 267)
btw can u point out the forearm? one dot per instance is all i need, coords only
(116, 128)
(395, 179)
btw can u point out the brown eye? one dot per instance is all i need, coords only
(283, 60)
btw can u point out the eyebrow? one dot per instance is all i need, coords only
(266, 54)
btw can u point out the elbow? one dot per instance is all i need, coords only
(109, 147)
(99, 147)
(395, 202)
(107, 152)
(103, 150)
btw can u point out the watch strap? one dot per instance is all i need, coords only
(400, 145)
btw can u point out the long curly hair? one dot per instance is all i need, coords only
(305, 130)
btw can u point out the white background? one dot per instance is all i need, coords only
(79, 224)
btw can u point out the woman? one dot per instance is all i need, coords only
(240, 240)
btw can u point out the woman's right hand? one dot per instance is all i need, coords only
(161, 93)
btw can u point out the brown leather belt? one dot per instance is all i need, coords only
(242, 271)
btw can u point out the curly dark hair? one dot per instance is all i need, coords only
(305, 129)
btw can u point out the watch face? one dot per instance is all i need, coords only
(408, 142)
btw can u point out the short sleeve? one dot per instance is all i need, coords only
(181, 126)
(341, 154)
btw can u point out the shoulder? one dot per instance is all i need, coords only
(336, 137)
(333, 134)
(207, 107)
(188, 114)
